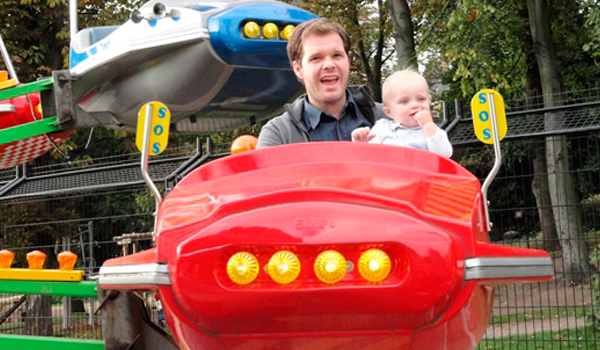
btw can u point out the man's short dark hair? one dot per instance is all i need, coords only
(319, 26)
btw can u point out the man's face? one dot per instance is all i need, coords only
(324, 69)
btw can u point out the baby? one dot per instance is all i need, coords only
(407, 101)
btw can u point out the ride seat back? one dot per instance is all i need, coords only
(89, 36)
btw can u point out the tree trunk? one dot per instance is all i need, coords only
(38, 315)
(371, 63)
(539, 184)
(403, 34)
(543, 201)
(55, 58)
(563, 193)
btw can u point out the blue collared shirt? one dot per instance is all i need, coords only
(323, 126)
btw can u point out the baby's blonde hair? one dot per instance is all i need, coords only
(388, 84)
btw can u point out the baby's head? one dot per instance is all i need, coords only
(405, 93)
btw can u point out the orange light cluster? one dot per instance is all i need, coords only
(329, 266)
(36, 259)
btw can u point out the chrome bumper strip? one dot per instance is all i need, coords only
(508, 267)
(7, 108)
(142, 274)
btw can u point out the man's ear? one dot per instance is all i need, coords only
(298, 70)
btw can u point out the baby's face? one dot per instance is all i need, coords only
(408, 96)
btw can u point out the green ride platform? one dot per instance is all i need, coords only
(84, 289)
(34, 128)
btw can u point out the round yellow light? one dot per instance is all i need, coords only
(270, 30)
(251, 29)
(284, 267)
(374, 265)
(330, 266)
(286, 33)
(242, 268)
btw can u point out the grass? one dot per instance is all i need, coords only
(575, 338)
(545, 313)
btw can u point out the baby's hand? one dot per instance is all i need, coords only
(423, 117)
(362, 134)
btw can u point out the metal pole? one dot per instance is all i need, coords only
(145, 156)
(73, 26)
(91, 265)
(66, 300)
(7, 61)
(497, 162)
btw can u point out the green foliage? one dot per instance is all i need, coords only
(26, 225)
(477, 44)
(571, 33)
(567, 339)
(592, 26)
(481, 41)
(104, 142)
(512, 179)
(594, 314)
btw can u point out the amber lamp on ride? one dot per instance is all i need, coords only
(284, 267)
(330, 266)
(270, 30)
(242, 268)
(243, 143)
(6, 258)
(374, 265)
(251, 29)
(286, 33)
(36, 260)
(67, 260)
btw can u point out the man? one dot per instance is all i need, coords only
(318, 52)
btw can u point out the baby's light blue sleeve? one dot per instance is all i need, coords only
(440, 144)
(376, 130)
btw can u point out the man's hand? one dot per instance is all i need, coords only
(362, 134)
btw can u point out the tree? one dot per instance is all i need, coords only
(403, 34)
(561, 183)
(539, 184)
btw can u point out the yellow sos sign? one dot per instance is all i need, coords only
(481, 107)
(160, 120)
